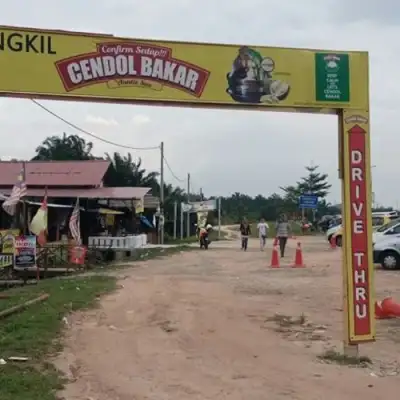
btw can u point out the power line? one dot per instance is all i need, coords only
(172, 172)
(76, 127)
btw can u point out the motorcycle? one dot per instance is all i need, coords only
(203, 235)
(204, 240)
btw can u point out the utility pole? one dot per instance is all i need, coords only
(219, 217)
(188, 212)
(175, 217)
(161, 217)
(182, 217)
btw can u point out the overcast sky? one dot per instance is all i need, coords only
(225, 151)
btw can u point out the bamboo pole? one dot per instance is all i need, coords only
(20, 307)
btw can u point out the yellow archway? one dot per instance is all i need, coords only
(94, 67)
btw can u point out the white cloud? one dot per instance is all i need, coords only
(140, 119)
(225, 151)
(97, 120)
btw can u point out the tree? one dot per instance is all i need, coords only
(64, 148)
(125, 172)
(314, 183)
(291, 196)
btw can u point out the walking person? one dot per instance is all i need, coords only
(263, 229)
(245, 231)
(282, 233)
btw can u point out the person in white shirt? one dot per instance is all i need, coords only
(263, 229)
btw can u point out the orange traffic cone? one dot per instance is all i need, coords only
(333, 243)
(275, 242)
(275, 257)
(390, 307)
(379, 313)
(298, 260)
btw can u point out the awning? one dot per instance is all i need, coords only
(121, 193)
(106, 211)
(51, 205)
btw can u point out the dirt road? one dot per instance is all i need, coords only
(202, 325)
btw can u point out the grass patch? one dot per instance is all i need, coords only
(35, 333)
(333, 356)
(185, 240)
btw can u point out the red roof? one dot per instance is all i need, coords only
(121, 193)
(55, 173)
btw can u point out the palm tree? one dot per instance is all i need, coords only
(142, 177)
(125, 172)
(64, 148)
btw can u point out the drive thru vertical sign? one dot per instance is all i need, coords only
(358, 228)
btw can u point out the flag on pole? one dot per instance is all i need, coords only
(18, 191)
(74, 224)
(38, 224)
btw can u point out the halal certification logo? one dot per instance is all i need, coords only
(332, 63)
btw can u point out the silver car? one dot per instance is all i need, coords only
(387, 252)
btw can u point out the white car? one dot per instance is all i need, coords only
(331, 231)
(387, 252)
(386, 231)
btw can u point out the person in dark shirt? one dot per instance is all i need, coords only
(282, 232)
(245, 231)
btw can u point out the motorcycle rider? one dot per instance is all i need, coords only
(204, 231)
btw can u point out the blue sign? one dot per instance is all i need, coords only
(308, 201)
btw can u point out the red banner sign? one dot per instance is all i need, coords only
(359, 232)
(77, 255)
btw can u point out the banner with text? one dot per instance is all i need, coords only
(207, 205)
(104, 67)
(359, 268)
(25, 251)
(7, 242)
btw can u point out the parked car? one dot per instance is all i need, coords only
(337, 236)
(387, 252)
(326, 222)
(391, 227)
(383, 217)
(336, 224)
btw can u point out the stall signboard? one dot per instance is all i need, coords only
(7, 246)
(103, 67)
(25, 251)
(207, 205)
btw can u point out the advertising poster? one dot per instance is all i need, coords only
(7, 242)
(202, 218)
(25, 251)
(200, 206)
(139, 206)
(88, 66)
